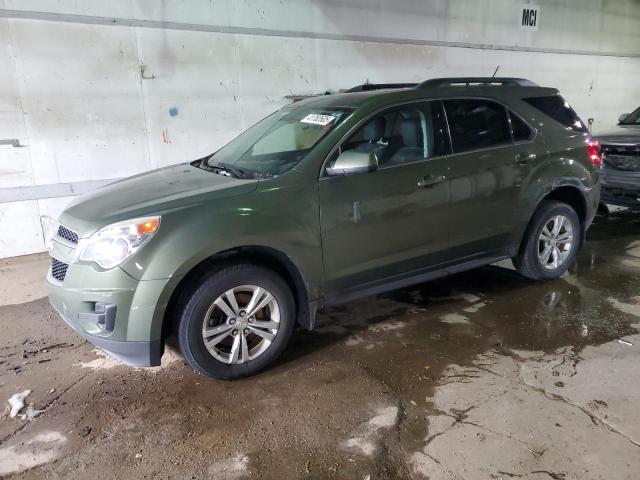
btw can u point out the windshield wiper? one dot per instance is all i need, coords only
(225, 167)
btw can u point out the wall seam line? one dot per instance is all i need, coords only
(161, 24)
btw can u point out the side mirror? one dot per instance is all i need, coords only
(353, 161)
(622, 117)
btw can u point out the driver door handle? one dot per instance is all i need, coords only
(430, 180)
(524, 157)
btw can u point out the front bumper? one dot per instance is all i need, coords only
(136, 354)
(135, 337)
(621, 188)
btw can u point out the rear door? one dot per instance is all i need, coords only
(381, 225)
(486, 171)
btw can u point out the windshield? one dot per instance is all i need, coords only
(632, 118)
(278, 143)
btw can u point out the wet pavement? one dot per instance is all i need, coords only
(483, 375)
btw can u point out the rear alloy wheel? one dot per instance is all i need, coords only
(236, 322)
(550, 243)
(555, 243)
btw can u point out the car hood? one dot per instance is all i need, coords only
(150, 193)
(620, 134)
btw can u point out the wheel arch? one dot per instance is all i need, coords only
(573, 197)
(267, 257)
(569, 194)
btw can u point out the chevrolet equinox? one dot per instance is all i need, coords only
(329, 199)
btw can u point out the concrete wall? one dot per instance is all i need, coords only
(72, 92)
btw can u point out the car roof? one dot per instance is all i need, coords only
(387, 94)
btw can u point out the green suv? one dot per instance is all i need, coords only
(329, 199)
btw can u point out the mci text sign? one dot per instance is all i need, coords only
(529, 17)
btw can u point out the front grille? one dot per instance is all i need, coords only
(58, 269)
(622, 157)
(622, 162)
(67, 234)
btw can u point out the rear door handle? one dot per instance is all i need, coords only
(524, 157)
(430, 181)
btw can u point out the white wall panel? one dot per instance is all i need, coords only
(15, 163)
(20, 230)
(15, 166)
(264, 79)
(81, 96)
(53, 207)
(194, 73)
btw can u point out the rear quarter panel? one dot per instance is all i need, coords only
(566, 164)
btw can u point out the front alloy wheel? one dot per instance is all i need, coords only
(241, 324)
(236, 321)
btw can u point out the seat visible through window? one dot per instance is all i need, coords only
(404, 134)
(372, 137)
(412, 130)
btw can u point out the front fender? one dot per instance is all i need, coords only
(282, 214)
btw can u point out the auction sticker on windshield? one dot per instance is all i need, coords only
(317, 119)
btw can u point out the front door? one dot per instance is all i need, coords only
(381, 225)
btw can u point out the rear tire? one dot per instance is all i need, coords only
(222, 335)
(545, 254)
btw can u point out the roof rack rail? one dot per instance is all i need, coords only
(477, 81)
(379, 86)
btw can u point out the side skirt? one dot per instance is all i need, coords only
(413, 278)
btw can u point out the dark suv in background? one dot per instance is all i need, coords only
(330, 199)
(621, 162)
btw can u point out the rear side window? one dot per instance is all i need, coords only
(521, 131)
(477, 123)
(557, 108)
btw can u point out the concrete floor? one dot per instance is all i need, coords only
(480, 376)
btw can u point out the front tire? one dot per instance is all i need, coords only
(236, 322)
(551, 242)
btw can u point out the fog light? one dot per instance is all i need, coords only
(103, 315)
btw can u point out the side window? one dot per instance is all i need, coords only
(476, 123)
(405, 134)
(373, 136)
(411, 137)
(521, 131)
(557, 108)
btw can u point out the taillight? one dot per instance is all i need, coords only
(593, 147)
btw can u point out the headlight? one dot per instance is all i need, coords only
(110, 246)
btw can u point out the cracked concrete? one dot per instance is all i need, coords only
(483, 375)
(506, 423)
